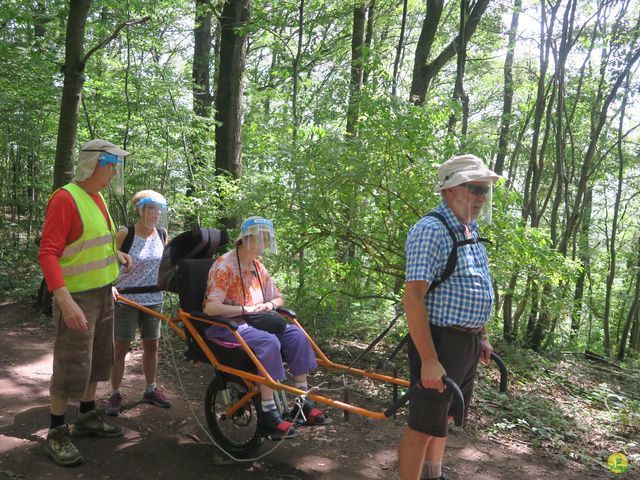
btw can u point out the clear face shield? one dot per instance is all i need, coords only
(479, 201)
(259, 235)
(116, 163)
(152, 213)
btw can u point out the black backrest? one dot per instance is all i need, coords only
(199, 242)
(192, 282)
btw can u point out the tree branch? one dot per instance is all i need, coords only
(115, 33)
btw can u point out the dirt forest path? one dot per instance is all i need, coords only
(169, 444)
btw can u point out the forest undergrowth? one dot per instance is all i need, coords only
(559, 404)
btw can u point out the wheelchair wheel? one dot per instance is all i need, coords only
(238, 433)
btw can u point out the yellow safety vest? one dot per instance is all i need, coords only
(92, 260)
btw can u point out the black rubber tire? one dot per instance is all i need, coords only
(238, 435)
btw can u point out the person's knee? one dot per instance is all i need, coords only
(121, 349)
(150, 346)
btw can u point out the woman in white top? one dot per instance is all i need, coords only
(145, 243)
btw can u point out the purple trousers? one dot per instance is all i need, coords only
(296, 349)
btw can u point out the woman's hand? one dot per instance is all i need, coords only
(262, 307)
(250, 309)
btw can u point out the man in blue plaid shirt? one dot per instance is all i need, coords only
(447, 326)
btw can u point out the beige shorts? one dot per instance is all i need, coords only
(80, 358)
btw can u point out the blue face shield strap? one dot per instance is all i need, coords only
(152, 202)
(108, 159)
(256, 221)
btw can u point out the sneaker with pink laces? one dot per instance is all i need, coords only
(157, 398)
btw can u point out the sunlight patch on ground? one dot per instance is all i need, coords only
(472, 454)
(9, 444)
(315, 463)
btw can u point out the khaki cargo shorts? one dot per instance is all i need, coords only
(80, 358)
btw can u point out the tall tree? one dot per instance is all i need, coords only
(459, 95)
(233, 47)
(507, 95)
(357, 65)
(202, 97)
(424, 70)
(74, 65)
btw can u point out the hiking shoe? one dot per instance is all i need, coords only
(114, 406)
(94, 423)
(275, 427)
(58, 446)
(156, 398)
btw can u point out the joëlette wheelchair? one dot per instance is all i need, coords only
(232, 399)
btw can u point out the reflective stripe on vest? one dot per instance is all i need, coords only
(91, 261)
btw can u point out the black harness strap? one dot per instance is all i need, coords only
(450, 266)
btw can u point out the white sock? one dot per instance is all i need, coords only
(301, 385)
(116, 391)
(268, 405)
(432, 469)
(150, 388)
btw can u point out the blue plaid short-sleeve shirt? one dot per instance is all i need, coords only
(466, 297)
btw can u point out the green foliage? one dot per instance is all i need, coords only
(19, 273)
(566, 405)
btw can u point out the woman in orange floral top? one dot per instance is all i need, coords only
(238, 283)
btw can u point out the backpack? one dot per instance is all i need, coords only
(131, 233)
(199, 242)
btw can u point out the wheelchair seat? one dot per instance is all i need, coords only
(191, 275)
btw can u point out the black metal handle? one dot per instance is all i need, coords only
(504, 373)
(452, 386)
(458, 401)
(399, 403)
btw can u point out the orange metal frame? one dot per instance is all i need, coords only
(184, 320)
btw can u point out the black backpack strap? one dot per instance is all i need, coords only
(452, 259)
(163, 235)
(128, 240)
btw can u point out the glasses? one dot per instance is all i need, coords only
(476, 189)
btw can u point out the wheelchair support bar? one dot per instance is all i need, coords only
(504, 374)
(452, 386)
(287, 312)
(232, 324)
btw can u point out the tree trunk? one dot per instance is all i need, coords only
(507, 97)
(423, 72)
(600, 117)
(507, 305)
(233, 47)
(399, 47)
(459, 95)
(633, 313)
(202, 98)
(357, 63)
(368, 42)
(201, 72)
(585, 259)
(533, 314)
(534, 171)
(611, 275)
(71, 91)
